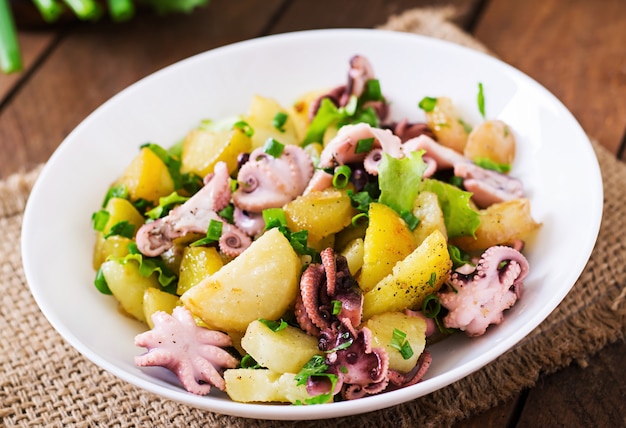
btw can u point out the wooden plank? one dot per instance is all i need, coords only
(33, 45)
(574, 48)
(594, 396)
(97, 60)
(308, 15)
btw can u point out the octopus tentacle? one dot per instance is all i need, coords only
(233, 241)
(479, 300)
(194, 216)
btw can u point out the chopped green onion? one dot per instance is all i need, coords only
(351, 106)
(360, 219)
(121, 10)
(428, 104)
(101, 283)
(213, 234)
(165, 204)
(50, 10)
(336, 307)
(10, 56)
(433, 279)
(228, 213)
(410, 219)
(491, 165)
(361, 200)
(122, 228)
(273, 148)
(120, 191)
(100, 219)
(431, 306)
(341, 178)
(279, 121)
(364, 145)
(372, 91)
(274, 217)
(247, 362)
(275, 326)
(458, 257)
(399, 342)
(84, 9)
(481, 100)
(316, 366)
(244, 127)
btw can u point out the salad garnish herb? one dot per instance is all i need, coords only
(316, 366)
(244, 127)
(427, 104)
(279, 121)
(481, 100)
(410, 219)
(213, 234)
(100, 219)
(101, 283)
(275, 217)
(275, 326)
(336, 307)
(122, 228)
(364, 145)
(166, 203)
(433, 279)
(273, 147)
(494, 166)
(247, 362)
(341, 177)
(431, 306)
(458, 257)
(399, 342)
(119, 191)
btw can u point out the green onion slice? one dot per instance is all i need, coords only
(341, 178)
(428, 104)
(273, 147)
(279, 121)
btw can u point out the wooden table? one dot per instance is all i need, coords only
(576, 48)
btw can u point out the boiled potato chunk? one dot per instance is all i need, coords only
(114, 246)
(299, 112)
(119, 210)
(261, 116)
(155, 300)
(354, 252)
(428, 210)
(501, 223)
(493, 140)
(262, 282)
(283, 351)
(128, 285)
(383, 326)
(320, 212)
(202, 149)
(263, 386)
(197, 263)
(388, 240)
(147, 177)
(446, 124)
(421, 273)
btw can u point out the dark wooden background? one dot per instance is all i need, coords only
(575, 48)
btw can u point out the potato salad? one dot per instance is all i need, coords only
(310, 253)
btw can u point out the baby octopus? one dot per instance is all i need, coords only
(479, 299)
(360, 369)
(266, 181)
(194, 216)
(193, 353)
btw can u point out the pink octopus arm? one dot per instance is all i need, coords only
(480, 299)
(194, 216)
(193, 353)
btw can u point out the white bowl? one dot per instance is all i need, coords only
(555, 161)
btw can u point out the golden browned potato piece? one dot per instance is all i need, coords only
(501, 223)
(147, 177)
(493, 140)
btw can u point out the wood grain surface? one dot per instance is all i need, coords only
(575, 48)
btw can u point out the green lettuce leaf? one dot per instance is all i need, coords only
(459, 217)
(400, 180)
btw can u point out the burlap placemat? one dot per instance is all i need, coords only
(45, 382)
